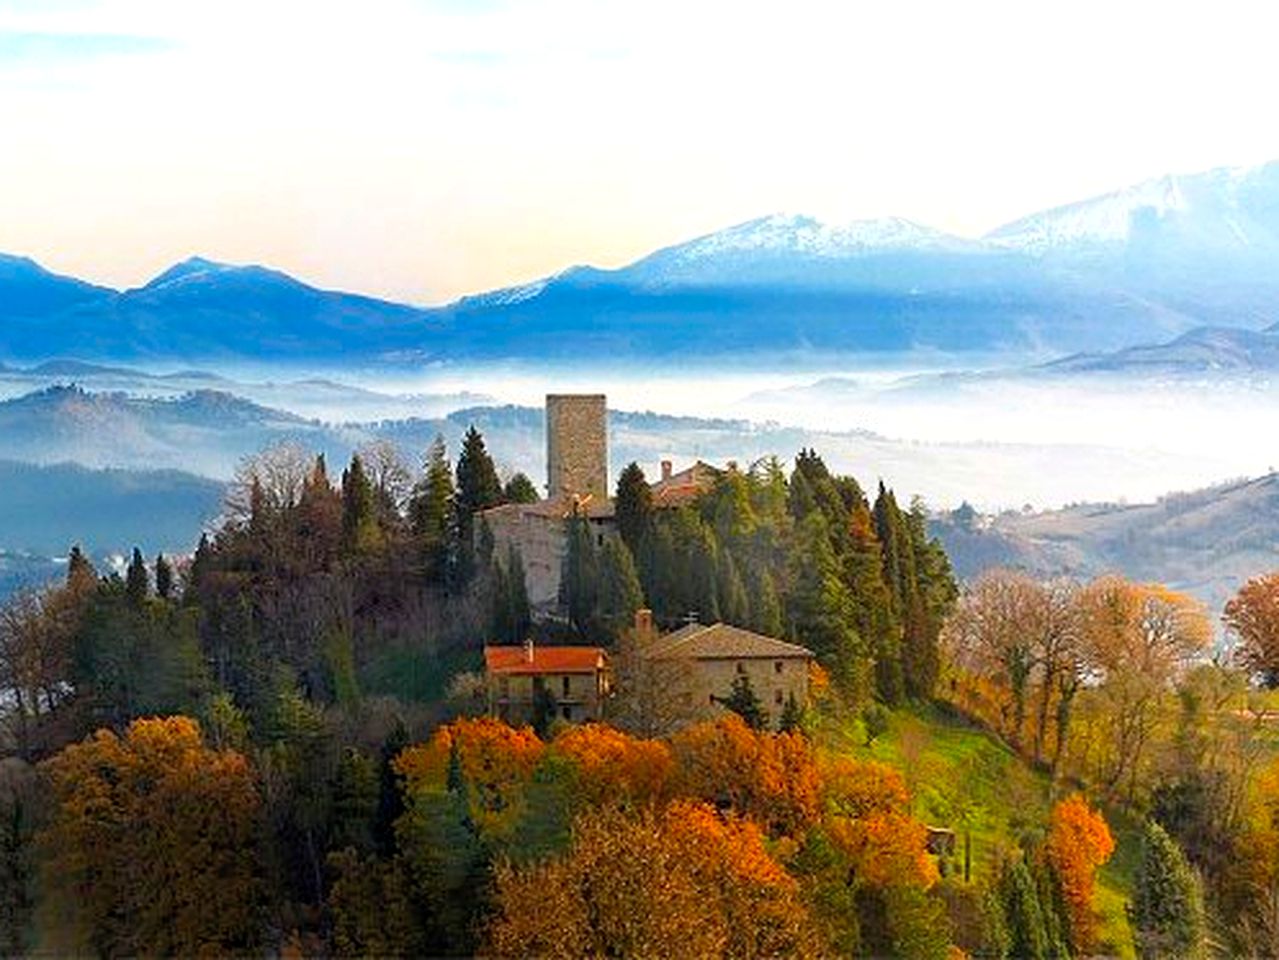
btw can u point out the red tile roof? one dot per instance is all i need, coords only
(514, 660)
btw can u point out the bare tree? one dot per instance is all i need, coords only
(388, 474)
(278, 474)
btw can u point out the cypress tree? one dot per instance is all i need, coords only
(633, 507)
(820, 606)
(163, 577)
(766, 609)
(620, 594)
(517, 587)
(734, 605)
(136, 580)
(1167, 911)
(579, 585)
(1024, 920)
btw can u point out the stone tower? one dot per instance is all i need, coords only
(576, 445)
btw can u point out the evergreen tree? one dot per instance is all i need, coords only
(478, 488)
(163, 577)
(579, 580)
(517, 590)
(431, 513)
(820, 607)
(766, 609)
(734, 605)
(872, 604)
(620, 594)
(360, 527)
(1024, 920)
(633, 507)
(200, 566)
(743, 702)
(520, 489)
(136, 580)
(792, 716)
(1167, 911)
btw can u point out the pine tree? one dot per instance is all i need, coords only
(517, 590)
(633, 507)
(199, 572)
(743, 702)
(873, 605)
(163, 577)
(136, 581)
(1167, 911)
(1024, 919)
(431, 513)
(520, 489)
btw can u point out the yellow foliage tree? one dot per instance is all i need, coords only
(682, 882)
(150, 845)
(771, 778)
(614, 767)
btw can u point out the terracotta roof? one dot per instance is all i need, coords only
(514, 660)
(719, 641)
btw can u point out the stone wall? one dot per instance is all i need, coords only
(577, 445)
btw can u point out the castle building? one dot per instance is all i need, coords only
(577, 481)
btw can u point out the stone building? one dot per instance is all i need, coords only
(576, 446)
(714, 655)
(577, 480)
(573, 680)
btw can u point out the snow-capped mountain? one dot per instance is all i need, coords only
(1141, 265)
(1224, 211)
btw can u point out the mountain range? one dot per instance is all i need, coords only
(1143, 264)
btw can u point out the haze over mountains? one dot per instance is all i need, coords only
(1140, 265)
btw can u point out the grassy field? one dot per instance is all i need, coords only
(962, 777)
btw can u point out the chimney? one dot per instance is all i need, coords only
(666, 471)
(528, 650)
(643, 624)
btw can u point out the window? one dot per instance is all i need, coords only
(711, 699)
(777, 666)
(566, 713)
(565, 685)
(777, 696)
(741, 667)
(504, 686)
(599, 539)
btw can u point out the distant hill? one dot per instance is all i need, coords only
(1207, 542)
(1217, 350)
(46, 509)
(1139, 265)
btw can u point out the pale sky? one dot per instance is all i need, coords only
(420, 150)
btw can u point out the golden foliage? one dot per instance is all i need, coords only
(615, 767)
(771, 778)
(496, 760)
(682, 882)
(150, 846)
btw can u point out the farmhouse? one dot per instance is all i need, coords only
(571, 682)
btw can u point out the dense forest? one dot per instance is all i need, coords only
(278, 745)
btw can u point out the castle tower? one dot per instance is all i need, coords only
(576, 445)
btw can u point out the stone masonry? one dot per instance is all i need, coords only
(577, 446)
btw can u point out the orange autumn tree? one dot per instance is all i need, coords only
(869, 822)
(1078, 843)
(771, 778)
(1252, 615)
(682, 882)
(150, 845)
(495, 762)
(614, 767)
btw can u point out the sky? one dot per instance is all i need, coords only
(420, 151)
